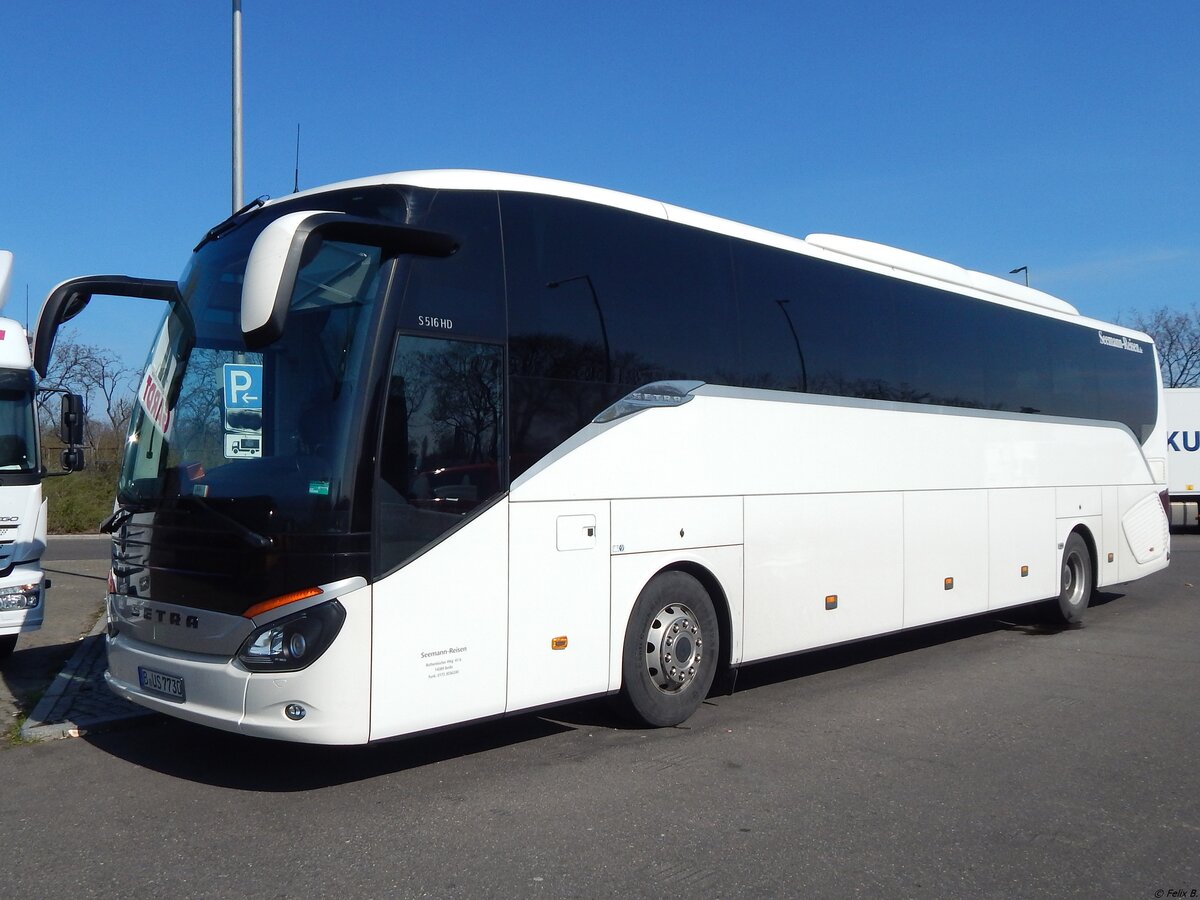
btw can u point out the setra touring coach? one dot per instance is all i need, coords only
(440, 446)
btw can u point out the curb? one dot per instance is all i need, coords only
(54, 718)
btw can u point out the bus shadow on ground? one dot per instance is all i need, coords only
(1029, 620)
(208, 756)
(30, 671)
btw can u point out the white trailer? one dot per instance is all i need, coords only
(1183, 454)
(22, 508)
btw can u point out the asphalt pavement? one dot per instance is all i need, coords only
(53, 684)
(77, 568)
(991, 757)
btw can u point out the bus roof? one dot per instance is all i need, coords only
(848, 251)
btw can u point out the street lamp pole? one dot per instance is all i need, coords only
(237, 105)
(1024, 269)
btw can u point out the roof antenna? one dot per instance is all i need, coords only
(296, 183)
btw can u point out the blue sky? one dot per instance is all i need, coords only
(1064, 136)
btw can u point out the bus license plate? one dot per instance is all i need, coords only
(162, 684)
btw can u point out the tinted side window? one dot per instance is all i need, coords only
(1126, 381)
(816, 326)
(460, 295)
(602, 301)
(442, 449)
(812, 326)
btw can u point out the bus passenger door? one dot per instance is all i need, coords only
(440, 536)
(558, 621)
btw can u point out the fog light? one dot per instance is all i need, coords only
(20, 596)
(295, 712)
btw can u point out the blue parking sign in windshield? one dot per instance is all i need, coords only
(243, 402)
(243, 386)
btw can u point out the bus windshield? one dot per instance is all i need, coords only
(262, 438)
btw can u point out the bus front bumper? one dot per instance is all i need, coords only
(221, 693)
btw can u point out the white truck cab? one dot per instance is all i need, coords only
(22, 509)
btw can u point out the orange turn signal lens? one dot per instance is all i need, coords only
(282, 600)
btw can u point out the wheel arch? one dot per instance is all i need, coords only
(1089, 540)
(1066, 610)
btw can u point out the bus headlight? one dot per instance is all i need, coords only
(294, 642)
(20, 596)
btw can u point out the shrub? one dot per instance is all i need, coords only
(79, 502)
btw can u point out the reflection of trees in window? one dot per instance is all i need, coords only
(467, 399)
(561, 380)
(197, 428)
(409, 383)
(591, 286)
(880, 389)
(455, 389)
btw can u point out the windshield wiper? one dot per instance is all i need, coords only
(251, 537)
(128, 510)
(218, 231)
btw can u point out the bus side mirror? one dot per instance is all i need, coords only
(286, 245)
(71, 431)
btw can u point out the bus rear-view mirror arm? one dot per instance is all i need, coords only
(286, 245)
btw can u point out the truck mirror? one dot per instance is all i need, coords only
(71, 425)
(72, 459)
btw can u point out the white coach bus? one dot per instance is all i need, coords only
(441, 446)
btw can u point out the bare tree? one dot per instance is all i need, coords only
(106, 384)
(1176, 333)
(110, 384)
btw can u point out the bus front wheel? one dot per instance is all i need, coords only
(1075, 589)
(672, 645)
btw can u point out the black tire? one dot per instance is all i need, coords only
(8, 643)
(671, 652)
(1075, 583)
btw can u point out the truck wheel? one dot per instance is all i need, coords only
(672, 645)
(8, 643)
(1076, 583)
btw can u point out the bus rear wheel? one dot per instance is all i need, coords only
(1076, 584)
(672, 645)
